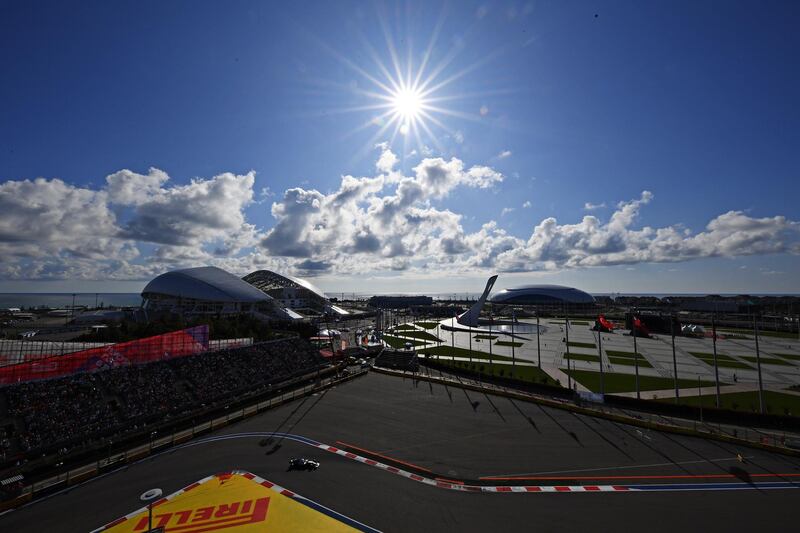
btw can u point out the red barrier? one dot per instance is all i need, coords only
(170, 345)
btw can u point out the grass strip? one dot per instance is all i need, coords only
(582, 344)
(486, 337)
(779, 334)
(509, 343)
(766, 360)
(455, 351)
(397, 342)
(617, 382)
(528, 373)
(723, 361)
(792, 356)
(424, 335)
(628, 361)
(427, 325)
(775, 402)
(582, 357)
(620, 353)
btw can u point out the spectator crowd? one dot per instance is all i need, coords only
(65, 413)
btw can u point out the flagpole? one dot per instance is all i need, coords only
(716, 367)
(758, 361)
(636, 359)
(600, 354)
(538, 347)
(674, 360)
(513, 358)
(566, 339)
(491, 361)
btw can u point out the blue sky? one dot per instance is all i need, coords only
(680, 117)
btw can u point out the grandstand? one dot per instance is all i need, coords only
(293, 293)
(85, 409)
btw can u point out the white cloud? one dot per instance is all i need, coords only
(591, 243)
(506, 210)
(138, 225)
(504, 154)
(588, 206)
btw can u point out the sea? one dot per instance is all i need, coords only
(132, 299)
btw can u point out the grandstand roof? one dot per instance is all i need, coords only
(542, 294)
(267, 279)
(205, 283)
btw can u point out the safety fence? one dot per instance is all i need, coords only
(14, 351)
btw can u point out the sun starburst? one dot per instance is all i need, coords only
(407, 101)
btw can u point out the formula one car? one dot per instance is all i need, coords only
(303, 464)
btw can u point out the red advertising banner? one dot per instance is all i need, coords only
(170, 345)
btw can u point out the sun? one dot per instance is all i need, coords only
(411, 99)
(407, 104)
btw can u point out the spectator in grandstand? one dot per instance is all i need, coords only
(69, 412)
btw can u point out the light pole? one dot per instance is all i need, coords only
(600, 354)
(674, 360)
(148, 498)
(700, 398)
(566, 339)
(716, 368)
(513, 359)
(538, 346)
(491, 340)
(636, 358)
(758, 362)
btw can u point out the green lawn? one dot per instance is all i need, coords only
(397, 342)
(486, 337)
(780, 334)
(407, 327)
(620, 353)
(582, 357)
(582, 344)
(792, 356)
(455, 351)
(424, 335)
(427, 325)
(723, 360)
(508, 343)
(630, 361)
(619, 357)
(616, 382)
(523, 373)
(776, 402)
(765, 360)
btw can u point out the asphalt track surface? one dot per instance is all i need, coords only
(458, 435)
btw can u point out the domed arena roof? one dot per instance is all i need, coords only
(542, 295)
(205, 283)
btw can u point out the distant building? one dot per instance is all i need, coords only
(398, 302)
(293, 293)
(546, 296)
(209, 291)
